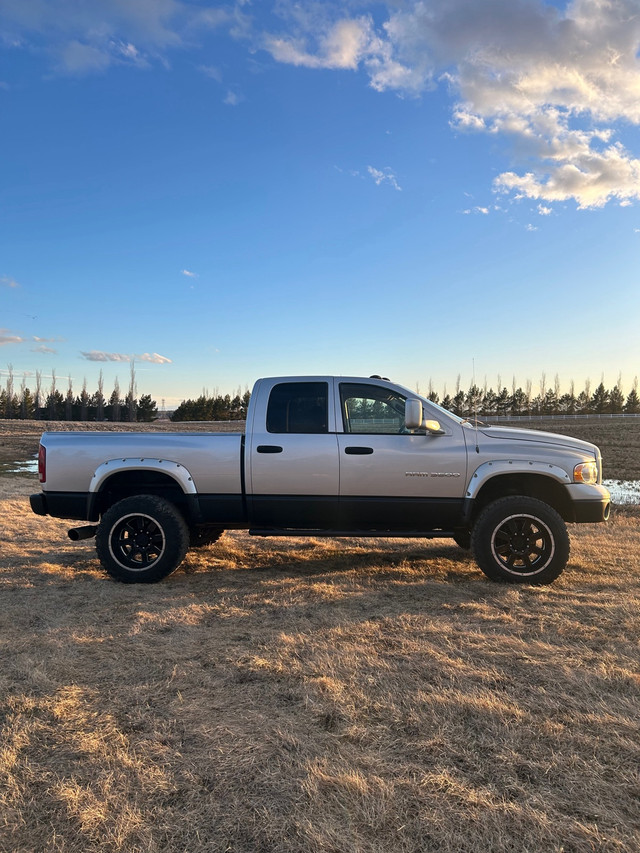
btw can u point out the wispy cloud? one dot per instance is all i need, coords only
(232, 99)
(189, 274)
(153, 358)
(44, 349)
(7, 281)
(382, 176)
(212, 72)
(100, 355)
(7, 337)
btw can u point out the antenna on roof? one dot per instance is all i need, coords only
(475, 400)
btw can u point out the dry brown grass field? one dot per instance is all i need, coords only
(315, 696)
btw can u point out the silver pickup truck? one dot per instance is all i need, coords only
(327, 456)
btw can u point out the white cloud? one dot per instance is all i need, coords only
(189, 274)
(381, 176)
(232, 99)
(89, 37)
(100, 355)
(44, 349)
(6, 337)
(154, 358)
(340, 44)
(212, 72)
(7, 281)
(544, 211)
(555, 82)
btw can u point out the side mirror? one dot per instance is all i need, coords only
(433, 427)
(413, 414)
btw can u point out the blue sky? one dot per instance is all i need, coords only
(225, 191)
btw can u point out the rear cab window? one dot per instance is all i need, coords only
(298, 407)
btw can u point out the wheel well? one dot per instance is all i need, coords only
(124, 484)
(531, 485)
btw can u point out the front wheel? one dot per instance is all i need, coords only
(141, 539)
(520, 540)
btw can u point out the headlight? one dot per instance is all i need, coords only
(586, 472)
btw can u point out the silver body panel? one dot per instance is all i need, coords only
(212, 459)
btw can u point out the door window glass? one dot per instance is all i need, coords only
(371, 409)
(298, 407)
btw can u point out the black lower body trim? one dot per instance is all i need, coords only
(377, 534)
(585, 512)
(60, 504)
(368, 516)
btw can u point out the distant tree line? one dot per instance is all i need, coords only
(483, 401)
(546, 400)
(51, 403)
(214, 408)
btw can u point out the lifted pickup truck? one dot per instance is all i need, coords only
(327, 456)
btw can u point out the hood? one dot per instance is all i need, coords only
(534, 435)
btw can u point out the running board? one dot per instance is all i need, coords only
(370, 534)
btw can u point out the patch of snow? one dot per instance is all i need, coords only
(623, 491)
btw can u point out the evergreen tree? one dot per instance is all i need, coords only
(99, 398)
(473, 401)
(26, 404)
(632, 406)
(616, 399)
(503, 402)
(489, 402)
(115, 402)
(457, 404)
(599, 403)
(68, 403)
(147, 410)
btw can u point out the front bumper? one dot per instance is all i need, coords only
(590, 504)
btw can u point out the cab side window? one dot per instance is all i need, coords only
(298, 407)
(371, 409)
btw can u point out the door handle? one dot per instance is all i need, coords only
(358, 451)
(269, 448)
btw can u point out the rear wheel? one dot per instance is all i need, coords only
(141, 539)
(520, 540)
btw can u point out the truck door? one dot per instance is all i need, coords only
(391, 479)
(292, 475)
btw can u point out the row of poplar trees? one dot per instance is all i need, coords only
(50, 403)
(548, 400)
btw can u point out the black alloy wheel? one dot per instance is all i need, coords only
(141, 539)
(520, 540)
